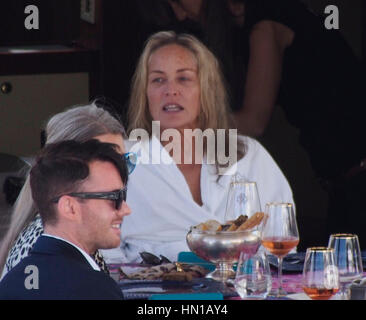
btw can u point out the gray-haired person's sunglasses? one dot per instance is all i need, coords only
(131, 160)
(118, 196)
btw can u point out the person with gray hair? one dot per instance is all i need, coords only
(80, 123)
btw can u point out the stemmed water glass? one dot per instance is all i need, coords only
(348, 259)
(280, 234)
(243, 199)
(320, 274)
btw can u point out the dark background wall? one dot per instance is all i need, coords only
(107, 51)
(281, 139)
(58, 22)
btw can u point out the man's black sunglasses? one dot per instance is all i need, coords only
(117, 196)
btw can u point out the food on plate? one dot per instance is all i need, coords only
(253, 221)
(234, 225)
(209, 225)
(177, 276)
(167, 271)
(240, 224)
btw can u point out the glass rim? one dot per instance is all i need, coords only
(284, 204)
(319, 249)
(344, 235)
(212, 233)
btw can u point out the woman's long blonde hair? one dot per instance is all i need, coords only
(214, 113)
(80, 123)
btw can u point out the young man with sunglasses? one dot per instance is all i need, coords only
(80, 191)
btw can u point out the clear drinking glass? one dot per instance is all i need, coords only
(348, 260)
(253, 279)
(243, 199)
(279, 234)
(320, 275)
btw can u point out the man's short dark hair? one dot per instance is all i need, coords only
(61, 168)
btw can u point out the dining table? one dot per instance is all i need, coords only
(146, 289)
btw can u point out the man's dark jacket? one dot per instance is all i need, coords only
(63, 273)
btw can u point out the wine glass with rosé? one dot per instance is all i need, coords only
(320, 278)
(279, 234)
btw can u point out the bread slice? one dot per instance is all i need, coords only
(253, 221)
(237, 222)
(210, 225)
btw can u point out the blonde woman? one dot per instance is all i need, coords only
(178, 88)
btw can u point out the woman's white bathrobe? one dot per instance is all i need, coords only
(163, 209)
